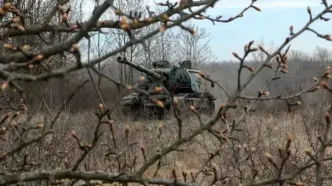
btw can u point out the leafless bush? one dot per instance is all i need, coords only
(48, 60)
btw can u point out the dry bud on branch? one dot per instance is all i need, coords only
(307, 150)
(235, 55)
(9, 47)
(309, 12)
(246, 48)
(256, 8)
(75, 48)
(289, 141)
(325, 19)
(143, 153)
(157, 89)
(75, 27)
(174, 174)
(175, 101)
(3, 130)
(141, 78)
(328, 37)
(284, 69)
(268, 155)
(127, 131)
(110, 122)
(251, 69)
(73, 134)
(159, 103)
(162, 28)
(298, 103)
(38, 58)
(2, 12)
(164, 17)
(184, 174)
(192, 108)
(8, 6)
(26, 47)
(324, 84)
(315, 88)
(160, 130)
(4, 85)
(327, 117)
(291, 29)
(269, 158)
(101, 107)
(129, 87)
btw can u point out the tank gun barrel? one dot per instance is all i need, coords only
(124, 60)
(163, 72)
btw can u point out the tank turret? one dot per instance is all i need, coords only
(161, 64)
(185, 64)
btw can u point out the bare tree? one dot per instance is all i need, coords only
(322, 55)
(195, 45)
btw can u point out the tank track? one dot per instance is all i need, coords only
(139, 108)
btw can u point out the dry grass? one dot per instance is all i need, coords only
(262, 131)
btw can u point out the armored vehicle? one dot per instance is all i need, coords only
(182, 82)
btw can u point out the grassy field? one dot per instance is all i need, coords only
(259, 132)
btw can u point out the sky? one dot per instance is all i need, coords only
(270, 25)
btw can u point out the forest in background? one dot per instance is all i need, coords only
(302, 68)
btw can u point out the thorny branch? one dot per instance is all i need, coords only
(22, 57)
(81, 175)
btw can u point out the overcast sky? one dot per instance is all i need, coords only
(271, 25)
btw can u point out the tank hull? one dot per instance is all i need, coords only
(136, 107)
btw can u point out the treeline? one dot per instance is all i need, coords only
(52, 93)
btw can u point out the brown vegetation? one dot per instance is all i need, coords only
(60, 123)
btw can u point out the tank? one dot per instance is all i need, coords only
(182, 82)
